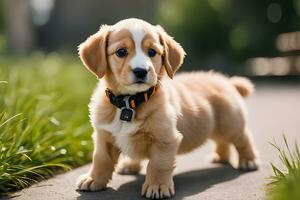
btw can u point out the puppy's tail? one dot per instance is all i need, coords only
(243, 85)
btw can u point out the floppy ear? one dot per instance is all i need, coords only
(173, 54)
(92, 52)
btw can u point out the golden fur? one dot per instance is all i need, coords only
(179, 117)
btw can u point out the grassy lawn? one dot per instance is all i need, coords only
(44, 126)
(285, 183)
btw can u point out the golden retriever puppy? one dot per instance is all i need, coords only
(139, 109)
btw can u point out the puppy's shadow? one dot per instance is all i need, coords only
(186, 184)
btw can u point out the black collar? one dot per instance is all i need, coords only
(131, 101)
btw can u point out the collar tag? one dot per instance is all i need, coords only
(127, 113)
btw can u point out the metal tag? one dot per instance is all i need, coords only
(127, 114)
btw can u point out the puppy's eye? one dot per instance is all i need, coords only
(121, 53)
(151, 52)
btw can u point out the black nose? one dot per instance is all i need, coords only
(140, 73)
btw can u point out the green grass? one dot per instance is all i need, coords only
(285, 183)
(44, 125)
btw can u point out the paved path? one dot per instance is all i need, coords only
(273, 110)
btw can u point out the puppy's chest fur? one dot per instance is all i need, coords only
(123, 133)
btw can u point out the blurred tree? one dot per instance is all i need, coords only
(2, 37)
(18, 24)
(1, 16)
(220, 33)
(72, 21)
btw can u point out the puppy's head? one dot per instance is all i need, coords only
(133, 53)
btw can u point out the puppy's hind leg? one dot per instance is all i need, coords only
(128, 165)
(222, 153)
(246, 152)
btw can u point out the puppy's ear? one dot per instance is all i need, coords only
(173, 54)
(92, 52)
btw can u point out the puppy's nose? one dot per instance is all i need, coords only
(139, 72)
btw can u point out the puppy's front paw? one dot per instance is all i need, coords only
(87, 183)
(158, 191)
(248, 165)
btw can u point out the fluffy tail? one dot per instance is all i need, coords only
(243, 85)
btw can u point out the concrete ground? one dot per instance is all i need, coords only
(273, 110)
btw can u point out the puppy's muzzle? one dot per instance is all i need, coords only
(140, 75)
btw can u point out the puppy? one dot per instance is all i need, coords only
(139, 110)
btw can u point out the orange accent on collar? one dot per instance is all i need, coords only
(133, 100)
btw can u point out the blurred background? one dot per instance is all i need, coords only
(45, 90)
(254, 38)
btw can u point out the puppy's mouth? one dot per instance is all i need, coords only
(139, 85)
(140, 81)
